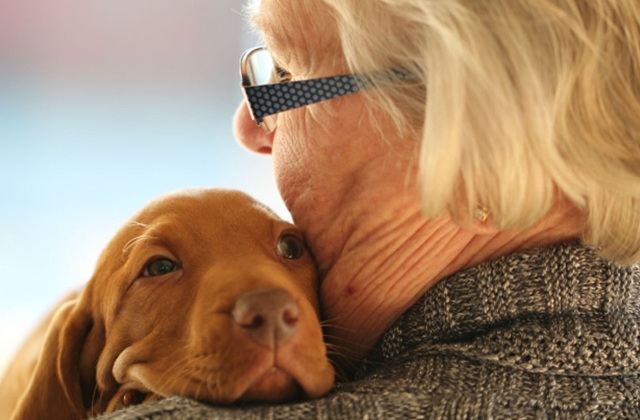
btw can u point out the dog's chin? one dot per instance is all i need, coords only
(262, 384)
(274, 386)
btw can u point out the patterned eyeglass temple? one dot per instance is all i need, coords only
(265, 100)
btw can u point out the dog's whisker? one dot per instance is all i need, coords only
(93, 400)
(171, 380)
(342, 359)
(345, 344)
(219, 384)
(177, 361)
(342, 340)
(135, 223)
(339, 338)
(344, 368)
(340, 376)
(185, 373)
(193, 372)
(203, 383)
(344, 356)
(341, 350)
(198, 389)
(132, 242)
(208, 384)
(328, 321)
(166, 378)
(336, 327)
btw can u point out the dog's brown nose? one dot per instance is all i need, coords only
(269, 316)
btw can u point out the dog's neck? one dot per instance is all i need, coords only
(378, 261)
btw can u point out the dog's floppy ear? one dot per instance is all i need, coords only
(56, 388)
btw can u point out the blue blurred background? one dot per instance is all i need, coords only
(103, 106)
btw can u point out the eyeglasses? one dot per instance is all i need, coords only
(269, 89)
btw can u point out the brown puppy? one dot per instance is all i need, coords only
(204, 293)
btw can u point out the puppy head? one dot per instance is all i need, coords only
(178, 303)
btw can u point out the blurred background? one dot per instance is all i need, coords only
(103, 106)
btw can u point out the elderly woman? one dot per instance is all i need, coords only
(474, 208)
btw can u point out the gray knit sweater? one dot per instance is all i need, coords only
(549, 333)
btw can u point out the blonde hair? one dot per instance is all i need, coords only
(519, 99)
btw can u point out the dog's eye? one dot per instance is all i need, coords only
(290, 246)
(130, 398)
(159, 267)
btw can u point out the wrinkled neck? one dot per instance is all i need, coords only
(386, 256)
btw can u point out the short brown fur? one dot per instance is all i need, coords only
(174, 334)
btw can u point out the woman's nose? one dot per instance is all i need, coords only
(249, 134)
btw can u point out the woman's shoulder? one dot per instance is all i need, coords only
(564, 280)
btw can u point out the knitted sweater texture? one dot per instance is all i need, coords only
(549, 333)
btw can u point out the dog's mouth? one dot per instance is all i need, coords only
(275, 377)
(283, 376)
(274, 385)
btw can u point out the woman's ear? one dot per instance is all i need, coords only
(56, 388)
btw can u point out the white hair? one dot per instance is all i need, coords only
(515, 101)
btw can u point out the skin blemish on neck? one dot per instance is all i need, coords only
(351, 290)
